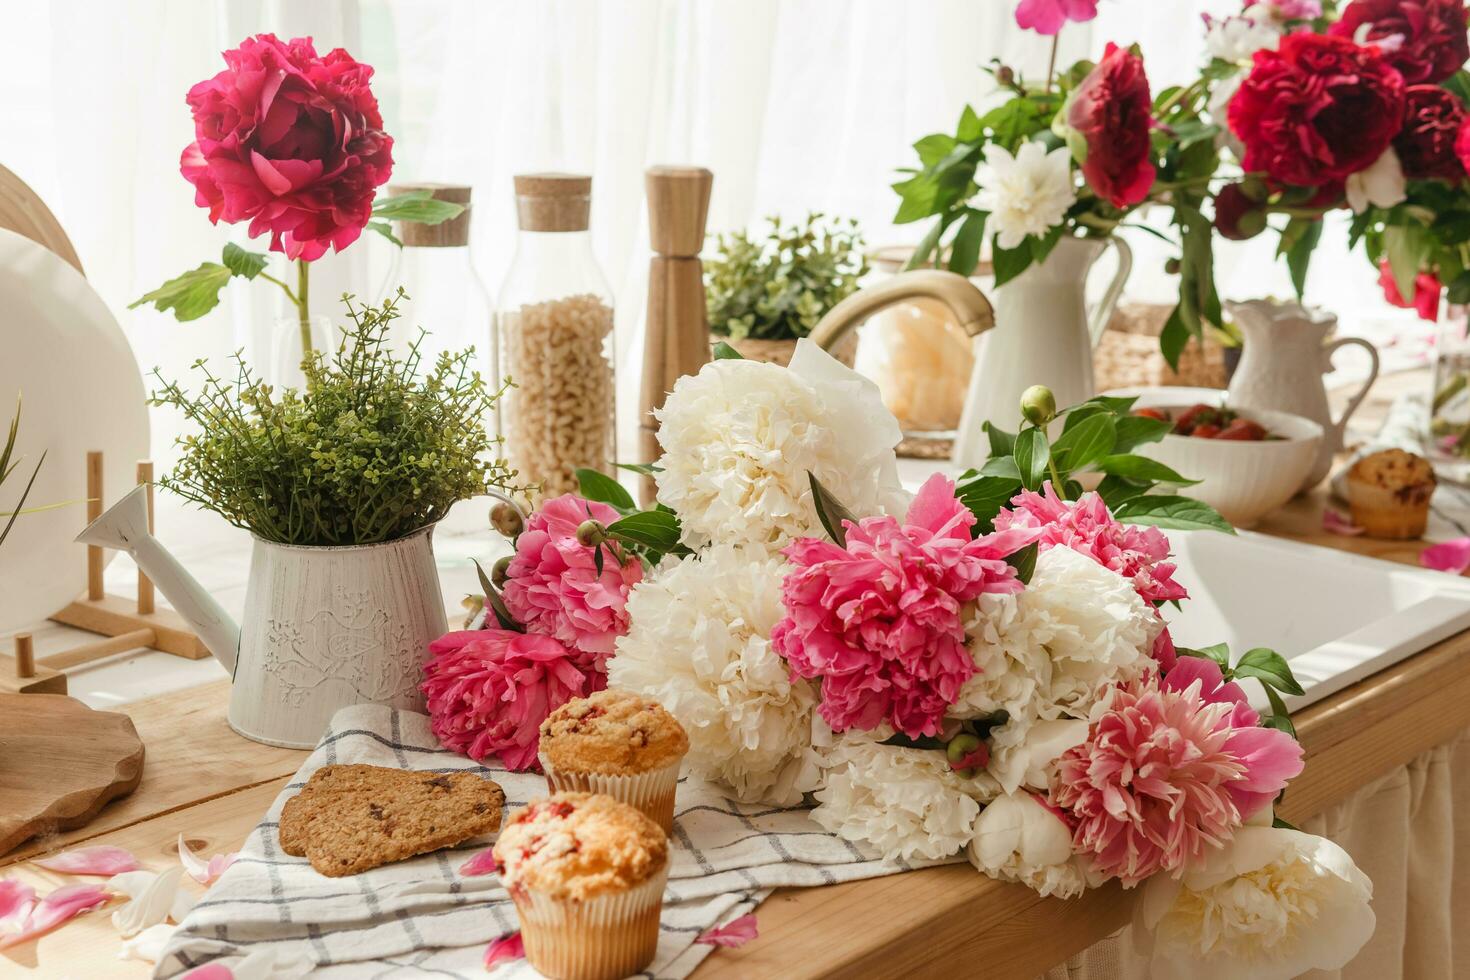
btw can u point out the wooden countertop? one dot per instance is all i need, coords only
(203, 781)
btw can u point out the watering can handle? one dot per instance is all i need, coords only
(1103, 313)
(1339, 425)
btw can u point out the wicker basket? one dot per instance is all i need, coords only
(780, 351)
(1128, 354)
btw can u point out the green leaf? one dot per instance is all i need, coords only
(1010, 262)
(934, 148)
(985, 497)
(1139, 430)
(416, 206)
(191, 295)
(1174, 337)
(1220, 653)
(1299, 253)
(386, 230)
(969, 128)
(1143, 468)
(1280, 718)
(1175, 513)
(1115, 489)
(1024, 562)
(1270, 668)
(1459, 289)
(1002, 443)
(496, 603)
(604, 489)
(1002, 466)
(964, 251)
(243, 263)
(1086, 442)
(900, 740)
(830, 511)
(1276, 821)
(646, 469)
(724, 352)
(1032, 456)
(654, 529)
(928, 243)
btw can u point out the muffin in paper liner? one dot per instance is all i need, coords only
(651, 792)
(600, 938)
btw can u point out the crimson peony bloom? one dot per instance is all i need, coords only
(1050, 16)
(1170, 768)
(1113, 112)
(880, 621)
(1426, 144)
(1424, 39)
(489, 690)
(1427, 288)
(1317, 110)
(291, 141)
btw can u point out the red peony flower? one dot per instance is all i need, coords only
(1424, 39)
(1317, 110)
(1426, 144)
(1427, 288)
(1237, 217)
(1112, 111)
(292, 141)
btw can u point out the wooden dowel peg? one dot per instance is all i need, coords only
(25, 656)
(88, 652)
(145, 585)
(94, 511)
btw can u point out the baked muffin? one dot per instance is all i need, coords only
(1388, 493)
(618, 743)
(587, 877)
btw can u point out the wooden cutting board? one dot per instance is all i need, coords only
(60, 763)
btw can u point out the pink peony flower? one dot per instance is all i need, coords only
(291, 141)
(1451, 556)
(1163, 652)
(1289, 9)
(1169, 769)
(1049, 16)
(553, 586)
(489, 690)
(880, 621)
(1086, 526)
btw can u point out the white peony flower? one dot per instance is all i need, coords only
(1381, 185)
(739, 438)
(1237, 39)
(1018, 839)
(1022, 750)
(1273, 903)
(699, 641)
(905, 802)
(1026, 194)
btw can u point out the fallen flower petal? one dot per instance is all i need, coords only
(148, 944)
(483, 863)
(1335, 523)
(16, 901)
(262, 964)
(152, 905)
(1448, 556)
(56, 908)
(100, 860)
(508, 948)
(733, 934)
(209, 971)
(206, 873)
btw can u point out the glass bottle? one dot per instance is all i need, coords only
(554, 318)
(1449, 404)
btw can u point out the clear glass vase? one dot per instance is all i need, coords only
(281, 369)
(1449, 403)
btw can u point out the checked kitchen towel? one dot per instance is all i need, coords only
(272, 915)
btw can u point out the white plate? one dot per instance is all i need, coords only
(61, 347)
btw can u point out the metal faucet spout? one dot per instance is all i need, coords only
(964, 300)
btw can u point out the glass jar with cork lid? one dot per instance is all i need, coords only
(555, 325)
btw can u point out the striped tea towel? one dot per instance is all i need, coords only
(420, 918)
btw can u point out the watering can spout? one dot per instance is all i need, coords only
(125, 528)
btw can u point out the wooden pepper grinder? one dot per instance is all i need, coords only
(676, 341)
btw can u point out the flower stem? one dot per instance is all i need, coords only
(1051, 62)
(302, 307)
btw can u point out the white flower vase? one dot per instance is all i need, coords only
(1043, 335)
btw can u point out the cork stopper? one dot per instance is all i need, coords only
(553, 202)
(446, 234)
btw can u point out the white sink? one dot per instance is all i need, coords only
(1335, 616)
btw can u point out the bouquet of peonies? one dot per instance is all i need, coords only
(981, 669)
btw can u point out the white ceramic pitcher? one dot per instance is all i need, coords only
(1043, 335)
(1285, 353)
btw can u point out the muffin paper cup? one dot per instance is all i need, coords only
(652, 791)
(601, 938)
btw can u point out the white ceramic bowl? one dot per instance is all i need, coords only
(1244, 481)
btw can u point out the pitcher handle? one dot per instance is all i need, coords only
(1103, 313)
(1339, 425)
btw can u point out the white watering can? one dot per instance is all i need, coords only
(325, 627)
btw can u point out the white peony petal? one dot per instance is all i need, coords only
(148, 944)
(151, 905)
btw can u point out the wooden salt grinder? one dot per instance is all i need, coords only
(676, 338)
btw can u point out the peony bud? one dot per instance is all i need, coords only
(1237, 215)
(1172, 267)
(1038, 405)
(500, 572)
(966, 753)
(591, 533)
(506, 519)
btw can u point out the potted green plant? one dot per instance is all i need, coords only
(765, 292)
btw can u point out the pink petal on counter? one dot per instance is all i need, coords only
(16, 901)
(734, 934)
(209, 971)
(1451, 556)
(509, 948)
(483, 863)
(56, 908)
(100, 860)
(1335, 523)
(206, 873)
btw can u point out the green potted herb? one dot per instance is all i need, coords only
(767, 292)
